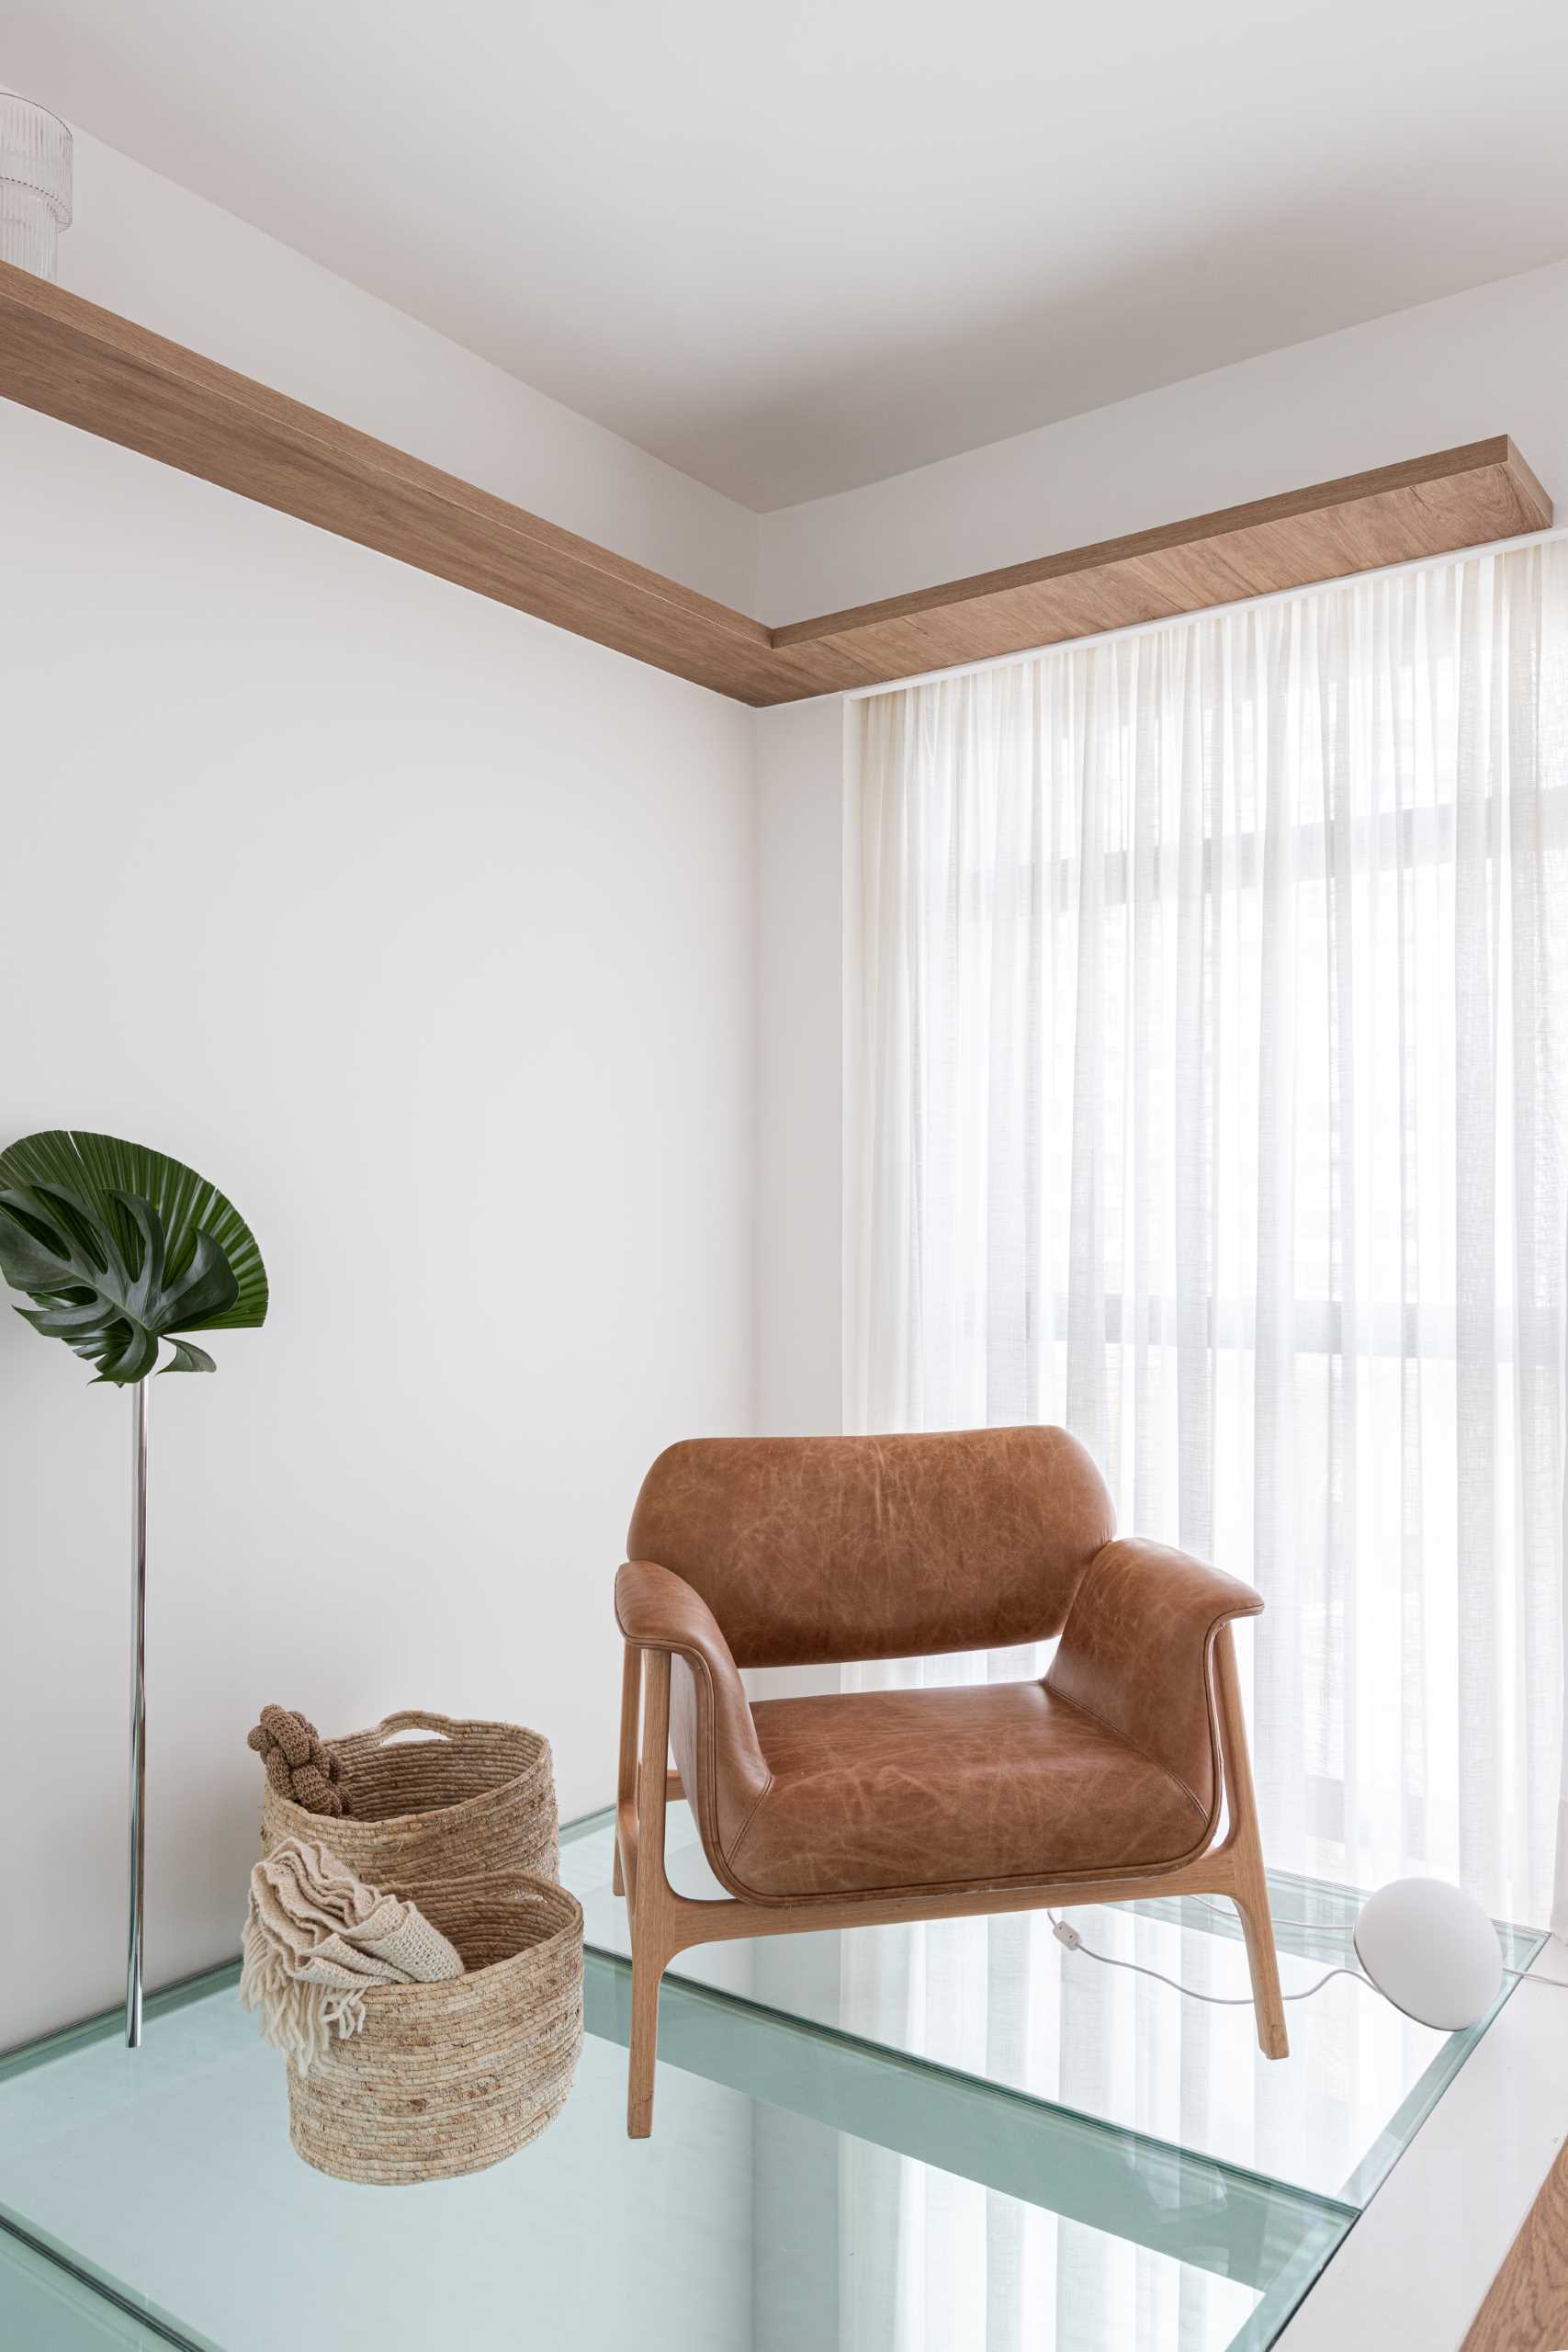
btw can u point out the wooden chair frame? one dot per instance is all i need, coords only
(663, 1923)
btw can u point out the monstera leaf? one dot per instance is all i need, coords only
(121, 1247)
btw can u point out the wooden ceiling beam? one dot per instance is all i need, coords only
(92, 369)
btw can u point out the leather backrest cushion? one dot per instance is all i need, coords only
(834, 1548)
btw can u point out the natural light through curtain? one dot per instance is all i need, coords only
(1207, 1097)
(1211, 1062)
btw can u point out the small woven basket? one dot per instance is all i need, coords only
(445, 2079)
(476, 1797)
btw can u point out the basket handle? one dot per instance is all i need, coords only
(417, 1719)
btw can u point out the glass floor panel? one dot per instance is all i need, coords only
(152, 2199)
(1001, 2000)
(828, 2172)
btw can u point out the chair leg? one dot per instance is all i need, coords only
(1258, 1926)
(648, 1968)
(652, 1946)
(626, 1777)
(1244, 1848)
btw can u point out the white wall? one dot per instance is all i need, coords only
(158, 255)
(427, 931)
(800, 1035)
(1493, 360)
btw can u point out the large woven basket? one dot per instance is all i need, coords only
(475, 1797)
(445, 2079)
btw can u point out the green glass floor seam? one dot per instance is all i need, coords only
(1211, 2215)
(1333, 2132)
(67, 2306)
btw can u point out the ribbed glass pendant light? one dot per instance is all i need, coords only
(35, 184)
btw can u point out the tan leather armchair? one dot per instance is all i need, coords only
(1103, 1781)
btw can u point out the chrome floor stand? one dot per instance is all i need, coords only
(138, 1710)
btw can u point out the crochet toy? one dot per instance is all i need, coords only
(300, 1763)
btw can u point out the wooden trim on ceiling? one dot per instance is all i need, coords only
(92, 369)
(1427, 507)
(96, 369)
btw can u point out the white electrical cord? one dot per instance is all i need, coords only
(1071, 1939)
(1075, 1942)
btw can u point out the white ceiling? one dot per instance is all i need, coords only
(797, 248)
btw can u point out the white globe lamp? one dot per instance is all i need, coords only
(1431, 1950)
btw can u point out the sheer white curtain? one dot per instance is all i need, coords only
(1208, 1100)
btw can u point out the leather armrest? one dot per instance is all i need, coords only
(659, 1610)
(1134, 1654)
(711, 1730)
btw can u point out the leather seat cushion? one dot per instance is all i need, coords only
(920, 1790)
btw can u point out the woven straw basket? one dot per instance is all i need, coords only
(476, 1797)
(445, 2079)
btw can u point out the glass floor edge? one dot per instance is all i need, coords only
(1243, 2227)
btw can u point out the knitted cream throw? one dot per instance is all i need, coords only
(317, 1937)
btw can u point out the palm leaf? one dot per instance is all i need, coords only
(119, 1246)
